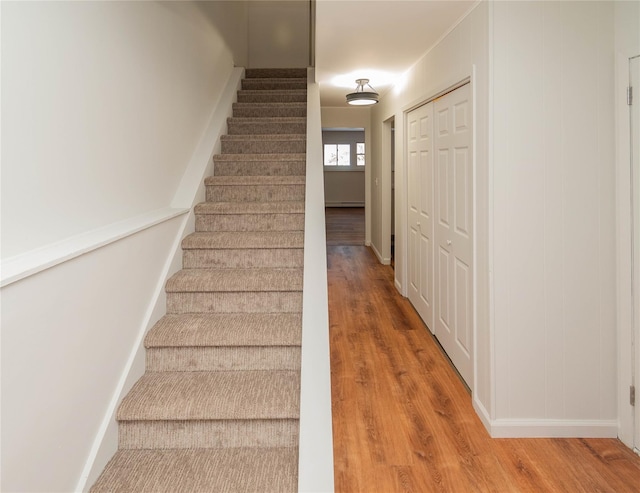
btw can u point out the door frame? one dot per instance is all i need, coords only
(628, 369)
(387, 198)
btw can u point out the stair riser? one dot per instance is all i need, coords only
(235, 302)
(249, 146)
(252, 168)
(258, 128)
(266, 97)
(242, 258)
(273, 84)
(223, 358)
(207, 434)
(255, 193)
(266, 112)
(249, 222)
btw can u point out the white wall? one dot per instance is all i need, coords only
(462, 53)
(67, 334)
(278, 33)
(102, 104)
(542, 76)
(230, 19)
(554, 222)
(315, 466)
(344, 188)
(105, 106)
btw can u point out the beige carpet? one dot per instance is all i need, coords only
(218, 406)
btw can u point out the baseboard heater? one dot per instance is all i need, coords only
(344, 204)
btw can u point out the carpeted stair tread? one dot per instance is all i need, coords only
(255, 180)
(255, 110)
(212, 395)
(264, 137)
(293, 207)
(235, 280)
(239, 470)
(208, 434)
(263, 143)
(264, 119)
(274, 83)
(272, 96)
(267, 126)
(260, 157)
(260, 189)
(244, 240)
(226, 329)
(302, 106)
(260, 164)
(252, 73)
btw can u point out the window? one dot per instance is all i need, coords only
(360, 154)
(343, 149)
(337, 155)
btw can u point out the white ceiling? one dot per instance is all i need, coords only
(376, 39)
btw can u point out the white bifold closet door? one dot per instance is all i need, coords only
(420, 214)
(440, 217)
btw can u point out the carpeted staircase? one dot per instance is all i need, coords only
(217, 408)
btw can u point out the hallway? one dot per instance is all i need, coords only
(403, 420)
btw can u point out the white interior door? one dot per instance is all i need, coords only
(420, 214)
(454, 228)
(634, 82)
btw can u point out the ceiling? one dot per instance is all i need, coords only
(376, 39)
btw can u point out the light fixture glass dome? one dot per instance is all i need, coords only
(362, 97)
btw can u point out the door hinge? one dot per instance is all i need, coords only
(629, 95)
(632, 395)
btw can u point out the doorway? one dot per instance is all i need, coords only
(344, 166)
(389, 157)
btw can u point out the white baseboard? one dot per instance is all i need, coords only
(381, 259)
(546, 428)
(482, 413)
(550, 428)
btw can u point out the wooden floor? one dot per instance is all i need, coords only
(403, 420)
(345, 225)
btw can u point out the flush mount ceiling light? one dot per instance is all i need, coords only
(361, 97)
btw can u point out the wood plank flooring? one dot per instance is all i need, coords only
(345, 225)
(403, 421)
